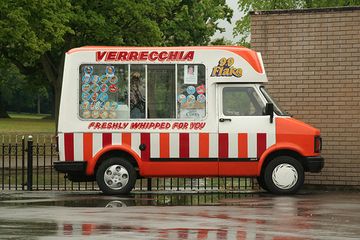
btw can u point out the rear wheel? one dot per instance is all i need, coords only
(284, 175)
(261, 182)
(116, 176)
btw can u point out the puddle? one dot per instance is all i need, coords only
(169, 215)
(137, 199)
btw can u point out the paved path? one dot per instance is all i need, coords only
(90, 215)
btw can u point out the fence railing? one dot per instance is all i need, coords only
(27, 164)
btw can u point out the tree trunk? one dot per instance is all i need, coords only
(55, 76)
(57, 89)
(52, 75)
(57, 95)
(38, 104)
(3, 113)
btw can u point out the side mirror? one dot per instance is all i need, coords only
(269, 110)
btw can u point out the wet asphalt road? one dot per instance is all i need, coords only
(90, 215)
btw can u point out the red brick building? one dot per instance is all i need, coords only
(312, 59)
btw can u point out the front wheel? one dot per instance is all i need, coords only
(116, 176)
(284, 175)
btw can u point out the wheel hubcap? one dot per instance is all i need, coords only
(115, 204)
(116, 177)
(285, 176)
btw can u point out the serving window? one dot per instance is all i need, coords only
(103, 91)
(139, 91)
(191, 100)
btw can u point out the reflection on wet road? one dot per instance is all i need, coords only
(311, 215)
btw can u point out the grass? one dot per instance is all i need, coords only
(27, 123)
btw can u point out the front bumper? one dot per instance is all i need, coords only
(313, 164)
(74, 170)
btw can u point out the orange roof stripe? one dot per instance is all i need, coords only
(249, 55)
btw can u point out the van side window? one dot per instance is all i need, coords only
(191, 91)
(137, 91)
(142, 91)
(161, 91)
(103, 91)
(241, 101)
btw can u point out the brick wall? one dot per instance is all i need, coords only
(312, 60)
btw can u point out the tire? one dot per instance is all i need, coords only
(284, 175)
(261, 182)
(116, 176)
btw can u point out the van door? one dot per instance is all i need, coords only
(244, 132)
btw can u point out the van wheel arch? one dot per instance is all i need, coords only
(279, 153)
(119, 154)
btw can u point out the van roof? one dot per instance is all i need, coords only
(249, 55)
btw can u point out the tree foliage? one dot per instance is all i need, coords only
(30, 28)
(15, 86)
(193, 22)
(35, 34)
(242, 26)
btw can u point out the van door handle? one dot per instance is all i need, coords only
(225, 119)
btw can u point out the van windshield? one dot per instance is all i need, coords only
(277, 108)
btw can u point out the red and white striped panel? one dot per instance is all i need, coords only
(83, 146)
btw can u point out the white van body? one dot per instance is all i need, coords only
(176, 111)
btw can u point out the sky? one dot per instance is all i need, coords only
(237, 14)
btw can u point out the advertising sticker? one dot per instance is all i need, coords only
(110, 70)
(190, 74)
(104, 88)
(95, 87)
(88, 70)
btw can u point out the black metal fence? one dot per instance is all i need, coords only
(27, 164)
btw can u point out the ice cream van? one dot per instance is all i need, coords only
(142, 112)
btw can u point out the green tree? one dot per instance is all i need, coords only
(221, 41)
(10, 80)
(15, 86)
(242, 26)
(192, 23)
(35, 34)
(30, 31)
